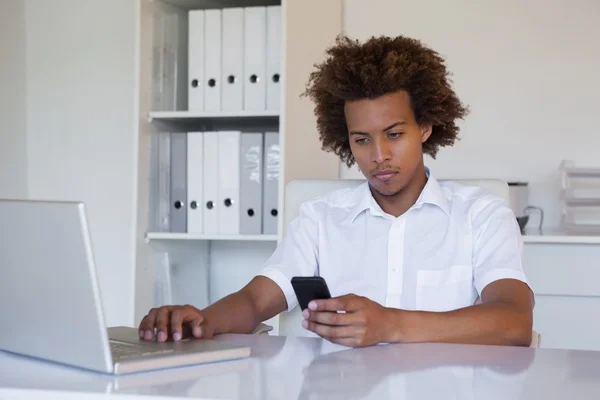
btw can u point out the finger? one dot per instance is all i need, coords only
(185, 321)
(193, 321)
(162, 321)
(342, 303)
(197, 327)
(144, 323)
(333, 332)
(176, 319)
(200, 330)
(147, 325)
(332, 318)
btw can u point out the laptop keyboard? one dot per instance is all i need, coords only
(124, 351)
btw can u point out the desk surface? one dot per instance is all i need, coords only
(557, 235)
(307, 368)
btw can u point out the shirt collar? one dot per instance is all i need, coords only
(432, 193)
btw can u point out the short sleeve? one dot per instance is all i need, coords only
(296, 254)
(498, 245)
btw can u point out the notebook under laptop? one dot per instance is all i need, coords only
(50, 298)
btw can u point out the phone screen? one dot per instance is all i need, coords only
(308, 288)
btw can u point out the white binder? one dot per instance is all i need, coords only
(271, 172)
(178, 181)
(233, 58)
(195, 177)
(196, 60)
(210, 182)
(212, 60)
(229, 182)
(273, 57)
(255, 57)
(160, 181)
(251, 180)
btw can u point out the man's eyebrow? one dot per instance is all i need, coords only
(395, 124)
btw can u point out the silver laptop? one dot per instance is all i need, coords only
(50, 299)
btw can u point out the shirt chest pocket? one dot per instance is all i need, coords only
(445, 289)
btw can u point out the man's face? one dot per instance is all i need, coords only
(385, 140)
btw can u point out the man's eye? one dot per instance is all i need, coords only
(394, 135)
(361, 140)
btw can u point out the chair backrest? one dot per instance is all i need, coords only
(299, 191)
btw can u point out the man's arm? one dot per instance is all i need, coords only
(503, 318)
(239, 312)
(265, 296)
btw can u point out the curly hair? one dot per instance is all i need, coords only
(382, 65)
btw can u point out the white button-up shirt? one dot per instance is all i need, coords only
(437, 256)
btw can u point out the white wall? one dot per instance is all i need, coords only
(81, 141)
(13, 138)
(527, 69)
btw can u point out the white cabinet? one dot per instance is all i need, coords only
(564, 272)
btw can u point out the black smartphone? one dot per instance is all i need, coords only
(309, 288)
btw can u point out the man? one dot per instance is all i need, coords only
(407, 259)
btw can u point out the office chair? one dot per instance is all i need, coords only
(299, 191)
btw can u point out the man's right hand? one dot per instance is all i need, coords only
(176, 323)
(239, 312)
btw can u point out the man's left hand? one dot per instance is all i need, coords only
(362, 323)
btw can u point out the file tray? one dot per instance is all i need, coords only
(588, 197)
(580, 186)
(569, 170)
(580, 196)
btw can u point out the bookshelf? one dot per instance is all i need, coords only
(202, 268)
(242, 117)
(198, 267)
(195, 89)
(195, 236)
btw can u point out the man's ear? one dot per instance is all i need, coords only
(425, 132)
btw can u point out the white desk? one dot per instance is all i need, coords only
(309, 368)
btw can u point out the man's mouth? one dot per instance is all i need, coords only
(385, 175)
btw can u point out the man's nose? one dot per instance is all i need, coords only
(382, 152)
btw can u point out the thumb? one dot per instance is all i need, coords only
(197, 326)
